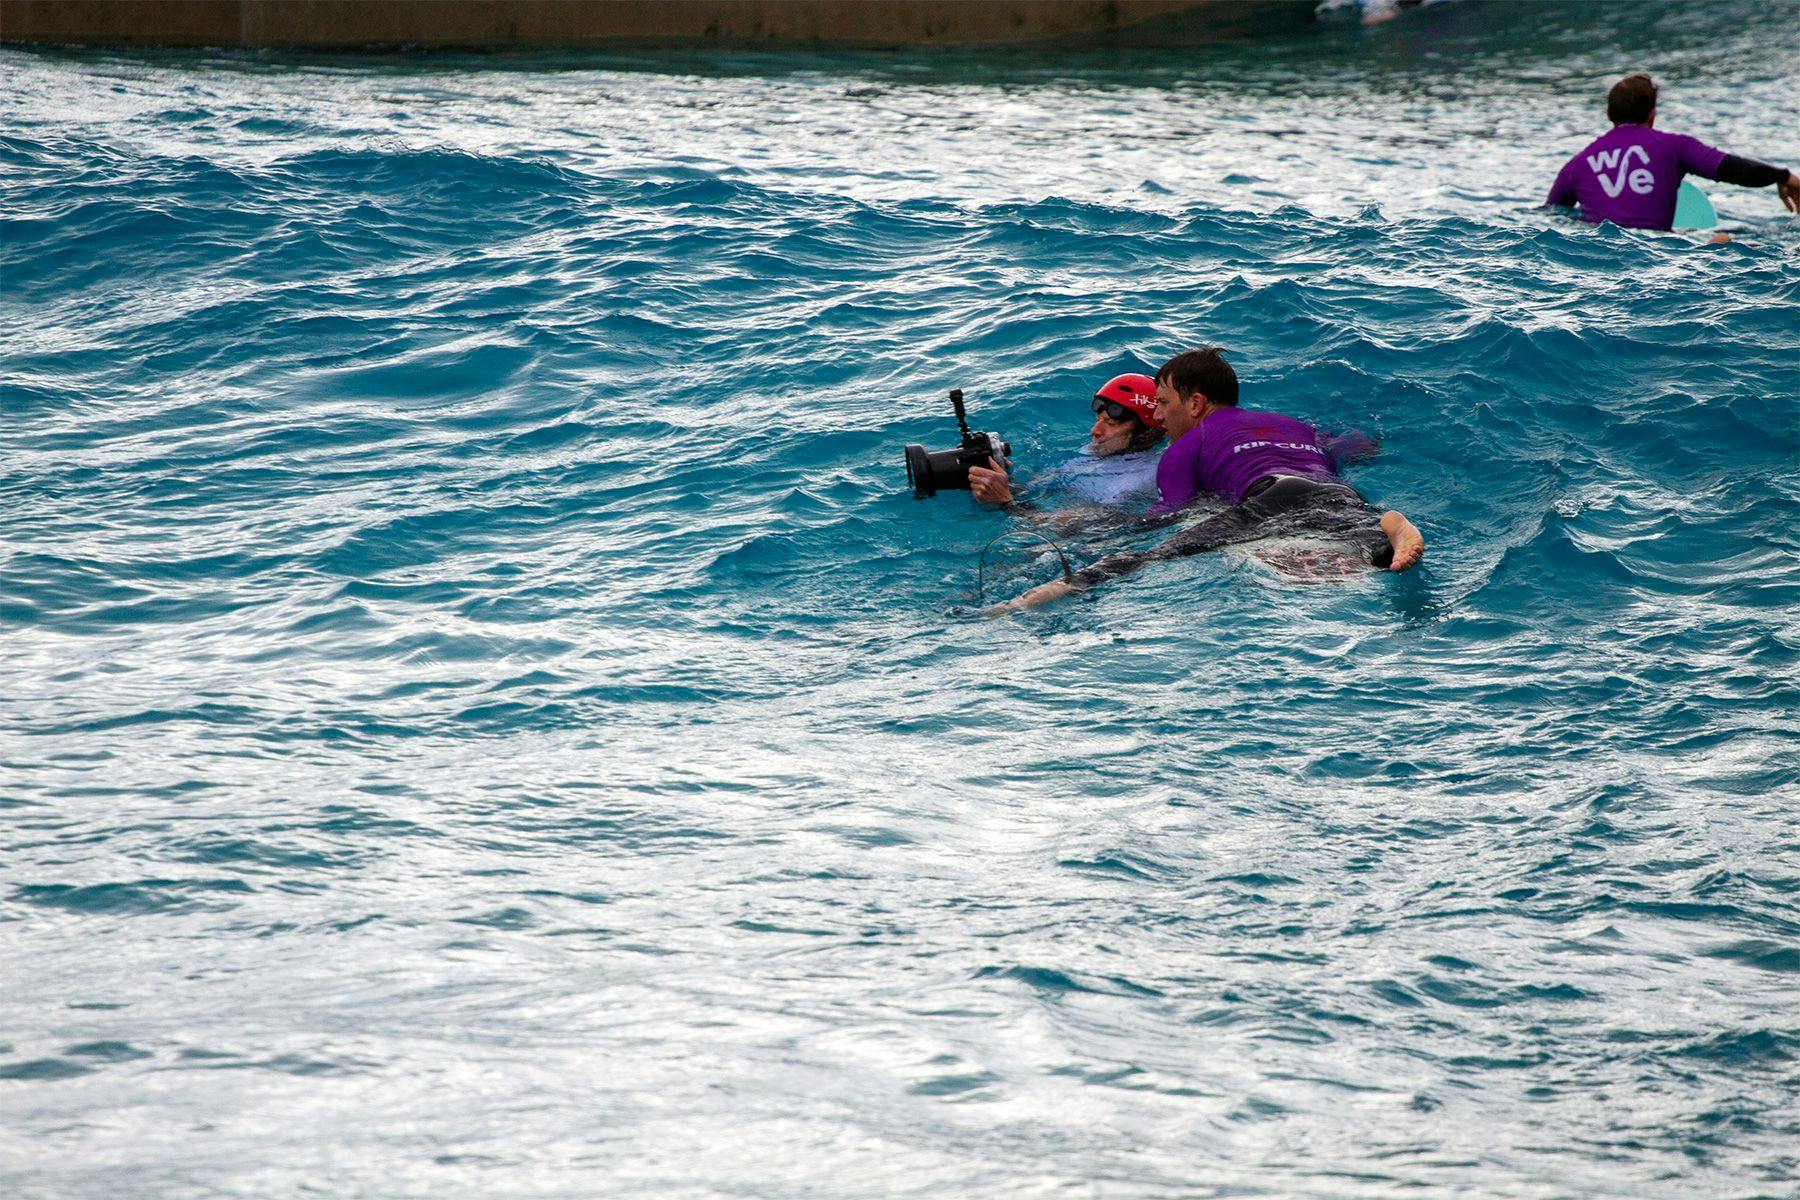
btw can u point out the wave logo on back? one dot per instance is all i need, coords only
(1641, 180)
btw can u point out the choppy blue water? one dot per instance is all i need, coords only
(482, 716)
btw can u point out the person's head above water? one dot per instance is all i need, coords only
(1125, 415)
(1632, 101)
(1190, 384)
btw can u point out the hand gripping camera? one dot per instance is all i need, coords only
(931, 471)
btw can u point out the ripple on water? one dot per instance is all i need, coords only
(469, 651)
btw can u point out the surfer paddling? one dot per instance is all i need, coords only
(1631, 174)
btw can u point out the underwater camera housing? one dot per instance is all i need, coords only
(932, 471)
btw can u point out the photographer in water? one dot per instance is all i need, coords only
(1277, 475)
(1117, 460)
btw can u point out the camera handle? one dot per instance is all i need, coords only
(981, 566)
(962, 420)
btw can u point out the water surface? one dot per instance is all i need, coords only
(482, 715)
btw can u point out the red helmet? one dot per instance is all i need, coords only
(1136, 392)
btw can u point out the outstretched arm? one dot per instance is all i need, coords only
(1044, 593)
(1227, 527)
(1702, 160)
(1235, 524)
(1747, 172)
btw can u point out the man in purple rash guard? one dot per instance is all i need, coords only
(1630, 175)
(1274, 471)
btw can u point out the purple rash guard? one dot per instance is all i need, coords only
(1630, 176)
(1232, 449)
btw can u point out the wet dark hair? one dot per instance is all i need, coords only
(1631, 100)
(1143, 434)
(1203, 370)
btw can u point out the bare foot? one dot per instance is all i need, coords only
(1404, 536)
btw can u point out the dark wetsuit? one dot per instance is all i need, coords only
(1280, 478)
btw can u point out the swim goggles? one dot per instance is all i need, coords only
(1112, 408)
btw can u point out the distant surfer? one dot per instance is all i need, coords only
(1274, 473)
(1630, 175)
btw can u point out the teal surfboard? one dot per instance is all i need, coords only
(1692, 209)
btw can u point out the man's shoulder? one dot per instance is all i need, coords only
(1187, 442)
(1597, 143)
(1684, 142)
(1252, 418)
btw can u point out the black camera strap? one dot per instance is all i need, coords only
(981, 566)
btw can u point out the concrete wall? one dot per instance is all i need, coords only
(497, 23)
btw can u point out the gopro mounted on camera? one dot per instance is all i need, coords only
(933, 471)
